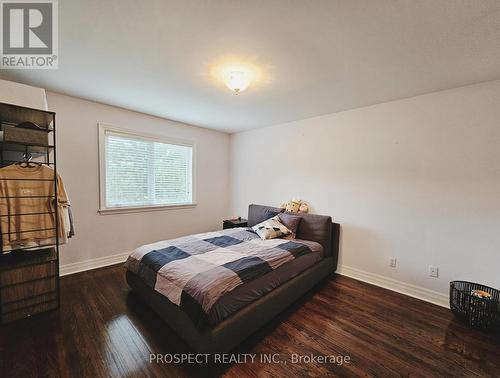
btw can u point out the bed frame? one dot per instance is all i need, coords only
(226, 335)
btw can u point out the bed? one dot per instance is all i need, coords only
(216, 289)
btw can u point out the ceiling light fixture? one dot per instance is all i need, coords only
(236, 73)
(237, 81)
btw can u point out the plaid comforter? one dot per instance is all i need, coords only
(193, 272)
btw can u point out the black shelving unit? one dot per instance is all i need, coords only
(23, 271)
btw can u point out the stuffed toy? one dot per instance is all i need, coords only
(304, 208)
(295, 206)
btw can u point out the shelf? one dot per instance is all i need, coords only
(18, 114)
(19, 257)
(27, 144)
(29, 279)
(23, 147)
(6, 162)
(41, 129)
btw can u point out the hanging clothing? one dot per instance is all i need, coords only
(67, 217)
(27, 207)
(71, 231)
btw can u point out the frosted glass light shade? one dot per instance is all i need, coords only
(237, 81)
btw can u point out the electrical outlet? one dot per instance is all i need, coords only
(433, 271)
(392, 262)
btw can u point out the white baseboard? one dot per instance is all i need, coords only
(358, 274)
(419, 292)
(100, 262)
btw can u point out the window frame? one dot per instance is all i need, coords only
(103, 128)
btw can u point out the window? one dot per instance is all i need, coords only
(140, 171)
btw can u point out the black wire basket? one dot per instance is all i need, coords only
(478, 311)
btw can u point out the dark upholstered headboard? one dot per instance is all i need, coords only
(318, 228)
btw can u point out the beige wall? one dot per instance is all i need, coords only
(77, 157)
(417, 179)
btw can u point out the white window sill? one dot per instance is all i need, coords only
(140, 209)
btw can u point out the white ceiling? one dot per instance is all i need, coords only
(317, 56)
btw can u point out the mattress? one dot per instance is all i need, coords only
(212, 275)
(253, 290)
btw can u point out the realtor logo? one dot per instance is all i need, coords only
(29, 34)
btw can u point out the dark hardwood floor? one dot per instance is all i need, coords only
(103, 330)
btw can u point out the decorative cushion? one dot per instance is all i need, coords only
(259, 213)
(271, 228)
(291, 222)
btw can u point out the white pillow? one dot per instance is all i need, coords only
(271, 228)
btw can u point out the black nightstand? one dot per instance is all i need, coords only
(232, 223)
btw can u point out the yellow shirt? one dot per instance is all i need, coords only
(27, 212)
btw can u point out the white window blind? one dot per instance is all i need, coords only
(142, 172)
